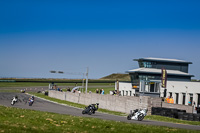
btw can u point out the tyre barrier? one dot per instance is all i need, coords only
(175, 113)
(46, 93)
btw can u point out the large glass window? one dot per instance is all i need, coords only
(146, 78)
(135, 78)
(146, 64)
(147, 86)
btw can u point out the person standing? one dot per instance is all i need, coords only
(168, 99)
(97, 91)
(189, 103)
(194, 103)
(102, 92)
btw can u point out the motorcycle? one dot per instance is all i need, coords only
(91, 109)
(30, 102)
(137, 114)
(14, 100)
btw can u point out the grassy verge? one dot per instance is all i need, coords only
(30, 84)
(23, 120)
(171, 120)
(9, 90)
(21, 84)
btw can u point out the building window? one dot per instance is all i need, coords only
(177, 98)
(183, 99)
(146, 64)
(170, 94)
(152, 86)
(191, 98)
(146, 86)
(198, 99)
(146, 78)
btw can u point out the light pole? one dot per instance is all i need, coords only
(86, 84)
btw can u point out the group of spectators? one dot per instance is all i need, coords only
(100, 91)
(54, 87)
(169, 99)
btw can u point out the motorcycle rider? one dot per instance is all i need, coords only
(90, 109)
(137, 114)
(31, 98)
(14, 100)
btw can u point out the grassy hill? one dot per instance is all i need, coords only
(117, 76)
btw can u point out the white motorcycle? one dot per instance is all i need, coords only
(14, 100)
(137, 114)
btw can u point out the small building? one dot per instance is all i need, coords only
(146, 80)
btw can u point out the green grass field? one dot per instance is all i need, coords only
(15, 120)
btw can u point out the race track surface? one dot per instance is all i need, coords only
(44, 105)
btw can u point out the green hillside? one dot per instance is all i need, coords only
(117, 76)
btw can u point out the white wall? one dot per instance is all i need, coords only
(181, 87)
(126, 88)
(173, 87)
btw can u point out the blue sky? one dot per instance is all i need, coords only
(39, 36)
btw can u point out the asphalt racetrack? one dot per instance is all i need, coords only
(44, 105)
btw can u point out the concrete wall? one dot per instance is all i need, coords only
(116, 103)
(189, 109)
(110, 102)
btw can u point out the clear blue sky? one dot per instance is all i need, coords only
(37, 36)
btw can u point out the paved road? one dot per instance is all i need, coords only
(43, 105)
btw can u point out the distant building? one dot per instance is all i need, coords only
(146, 80)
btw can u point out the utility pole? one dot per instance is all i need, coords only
(117, 87)
(83, 82)
(86, 85)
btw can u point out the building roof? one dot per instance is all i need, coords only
(162, 60)
(158, 71)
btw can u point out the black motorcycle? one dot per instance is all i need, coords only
(91, 109)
